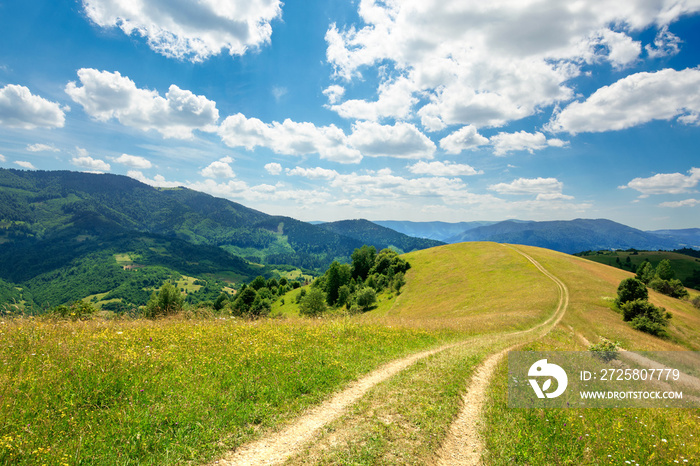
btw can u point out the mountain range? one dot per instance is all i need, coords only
(61, 232)
(66, 235)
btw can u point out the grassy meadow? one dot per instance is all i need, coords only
(595, 436)
(179, 391)
(172, 391)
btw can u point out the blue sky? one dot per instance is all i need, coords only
(387, 110)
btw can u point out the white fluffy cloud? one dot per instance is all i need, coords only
(105, 95)
(547, 189)
(273, 168)
(3, 158)
(443, 169)
(133, 161)
(486, 63)
(88, 163)
(190, 30)
(666, 183)
(401, 140)
(465, 138)
(634, 100)
(42, 148)
(27, 165)
(316, 173)
(219, 169)
(504, 143)
(157, 181)
(19, 108)
(288, 137)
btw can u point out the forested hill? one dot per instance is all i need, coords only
(38, 205)
(378, 236)
(67, 235)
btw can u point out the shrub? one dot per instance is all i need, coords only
(647, 325)
(79, 310)
(696, 301)
(631, 289)
(366, 298)
(673, 288)
(313, 303)
(167, 301)
(605, 350)
(646, 317)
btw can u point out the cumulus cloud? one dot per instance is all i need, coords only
(666, 183)
(190, 30)
(443, 169)
(665, 44)
(2, 158)
(289, 137)
(395, 100)
(316, 173)
(465, 138)
(19, 108)
(157, 181)
(547, 189)
(88, 163)
(504, 143)
(42, 148)
(133, 161)
(105, 95)
(219, 169)
(24, 164)
(273, 168)
(334, 93)
(401, 140)
(486, 63)
(634, 100)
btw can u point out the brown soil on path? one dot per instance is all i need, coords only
(278, 447)
(463, 444)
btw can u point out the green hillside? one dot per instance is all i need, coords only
(686, 267)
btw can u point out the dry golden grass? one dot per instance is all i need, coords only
(473, 288)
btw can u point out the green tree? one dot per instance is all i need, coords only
(631, 289)
(366, 297)
(343, 295)
(313, 303)
(244, 301)
(337, 275)
(664, 270)
(221, 301)
(363, 261)
(167, 301)
(257, 283)
(645, 272)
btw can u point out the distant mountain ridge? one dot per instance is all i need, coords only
(379, 236)
(569, 236)
(565, 236)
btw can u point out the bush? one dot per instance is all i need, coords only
(79, 310)
(167, 301)
(313, 303)
(647, 325)
(631, 289)
(696, 301)
(366, 298)
(673, 288)
(646, 317)
(605, 350)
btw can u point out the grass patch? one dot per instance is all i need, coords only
(584, 436)
(404, 419)
(172, 391)
(475, 287)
